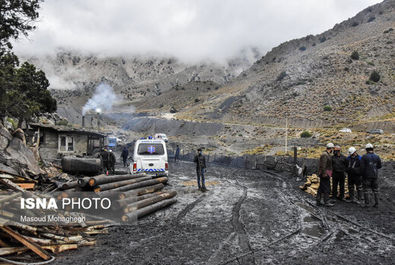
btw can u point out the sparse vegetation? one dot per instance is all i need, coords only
(62, 122)
(374, 77)
(355, 55)
(281, 76)
(388, 30)
(371, 19)
(327, 108)
(306, 134)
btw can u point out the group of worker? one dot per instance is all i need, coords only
(362, 174)
(108, 160)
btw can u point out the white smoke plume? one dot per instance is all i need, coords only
(102, 100)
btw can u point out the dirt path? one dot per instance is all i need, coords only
(247, 217)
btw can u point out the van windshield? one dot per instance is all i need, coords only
(150, 149)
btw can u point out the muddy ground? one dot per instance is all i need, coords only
(249, 217)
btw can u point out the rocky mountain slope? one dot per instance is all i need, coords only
(74, 76)
(314, 80)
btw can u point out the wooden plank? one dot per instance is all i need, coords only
(26, 186)
(32, 246)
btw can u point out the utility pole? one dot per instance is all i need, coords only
(286, 135)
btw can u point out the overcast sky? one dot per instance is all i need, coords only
(188, 29)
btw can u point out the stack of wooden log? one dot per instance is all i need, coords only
(22, 243)
(135, 195)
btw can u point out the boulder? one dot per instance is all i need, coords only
(19, 157)
(5, 137)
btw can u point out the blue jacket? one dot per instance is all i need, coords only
(354, 165)
(370, 163)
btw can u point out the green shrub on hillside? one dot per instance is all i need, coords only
(355, 55)
(327, 108)
(306, 134)
(374, 76)
(281, 76)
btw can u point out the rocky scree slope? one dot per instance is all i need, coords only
(314, 80)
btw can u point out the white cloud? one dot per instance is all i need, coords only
(188, 29)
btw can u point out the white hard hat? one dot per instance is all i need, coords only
(351, 150)
(330, 145)
(369, 146)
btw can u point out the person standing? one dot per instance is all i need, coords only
(111, 161)
(177, 154)
(354, 175)
(370, 165)
(325, 173)
(104, 157)
(200, 161)
(339, 165)
(124, 155)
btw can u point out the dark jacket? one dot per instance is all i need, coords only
(200, 161)
(324, 164)
(125, 153)
(111, 158)
(354, 166)
(339, 163)
(104, 158)
(177, 151)
(370, 163)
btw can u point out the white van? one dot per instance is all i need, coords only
(161, 136)
(150, 156)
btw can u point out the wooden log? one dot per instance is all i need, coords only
(53, 248)
(31, 245)
(5, 222)
(129, 200)
(10, 197)
(60, 248)
(141, 191)
(11, 185)
(67, 185)
(69, 239)
(115, 185)
(144, 203)
(6, 214)
(140, 184)
(12, 250)
(103, 179)
(135, 215)
(41, 241)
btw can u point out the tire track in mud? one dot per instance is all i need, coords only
(170, 227)
(239, 227)
(188, 208)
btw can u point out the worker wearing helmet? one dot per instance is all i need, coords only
(370, 164)
(325, 173)
(339, 165)
(354, 175)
